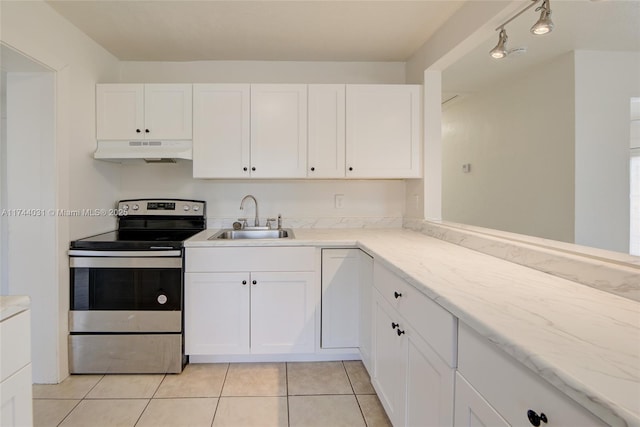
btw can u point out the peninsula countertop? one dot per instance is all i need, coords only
(583, 341)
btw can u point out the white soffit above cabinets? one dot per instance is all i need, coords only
(320, 30)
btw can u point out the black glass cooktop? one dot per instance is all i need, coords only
(150, 224)
(135, 240)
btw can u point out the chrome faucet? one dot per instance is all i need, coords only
(249, 196)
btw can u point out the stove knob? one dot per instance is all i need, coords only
(162, 299)
(196, 208)
(186, 208)
(135, 207)
(125, 207)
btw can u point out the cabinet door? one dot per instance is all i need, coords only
(326, 131)
(471, 410)
(216, 313)
(221, 131)
(388, 367)
(429, 382)
(168, 111)
(383, 131)
(119, 111)
(282, 313)
(16, 407)
(279, 131)
(366, 307)
(340, 297)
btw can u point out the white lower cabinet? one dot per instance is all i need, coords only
(282, 313)
(216, 313)
(16, 408)
(472, 410)
(242, 313)
(340, 298)
(365, 332)
(413, 383)
(389, 371)
(494, 389)
(250, 312)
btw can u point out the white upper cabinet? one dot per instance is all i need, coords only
(279, 131)
(144, 111)
(221, 143)
(326, 131)
(383, 131)
(120, 111)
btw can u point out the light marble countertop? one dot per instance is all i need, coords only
(11, 305)
(583, 341)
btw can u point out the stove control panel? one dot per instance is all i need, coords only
(164, 207)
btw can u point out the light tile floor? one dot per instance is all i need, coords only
(296, 394)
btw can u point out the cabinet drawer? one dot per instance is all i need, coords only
(250, 259)
(15, 344)
(436, 325)
(512, 389)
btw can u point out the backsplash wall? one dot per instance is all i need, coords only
(302, 203)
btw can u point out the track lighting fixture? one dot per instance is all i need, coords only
(544, 25)
(500, 51)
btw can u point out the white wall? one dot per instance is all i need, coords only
(35, 31)
(518, 137)
(31, 242)
(302, 203)
(262, 72)
(468, 27)
(605, 82)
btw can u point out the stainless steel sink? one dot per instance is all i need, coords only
(284, 233)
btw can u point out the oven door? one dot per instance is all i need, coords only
(126, 294)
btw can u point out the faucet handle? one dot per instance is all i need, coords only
(269, 221)
(279, 221)
(244, 222)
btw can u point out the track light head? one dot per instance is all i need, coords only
(544, 24)
(500, 51)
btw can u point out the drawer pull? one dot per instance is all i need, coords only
(254, 282)
(397, 294)
(394, 325)
(535, 419)
(244, 282)
(400, 332)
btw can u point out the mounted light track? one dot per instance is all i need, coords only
(544, 25)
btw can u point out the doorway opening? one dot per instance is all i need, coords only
(28, 191)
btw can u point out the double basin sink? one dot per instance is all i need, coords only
(228, 234)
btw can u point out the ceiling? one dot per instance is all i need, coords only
(325, 30)
(341, 30)
(612, 25)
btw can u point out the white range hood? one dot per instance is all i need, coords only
(149, 151)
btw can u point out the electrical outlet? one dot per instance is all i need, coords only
(466, 168)
(339, 201)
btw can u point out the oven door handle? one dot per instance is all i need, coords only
(126, 254)
(124, 262)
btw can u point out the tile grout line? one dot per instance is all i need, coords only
(364, 419)
(149, 401)
(224, 380)
(286, 384)
(80, 401)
